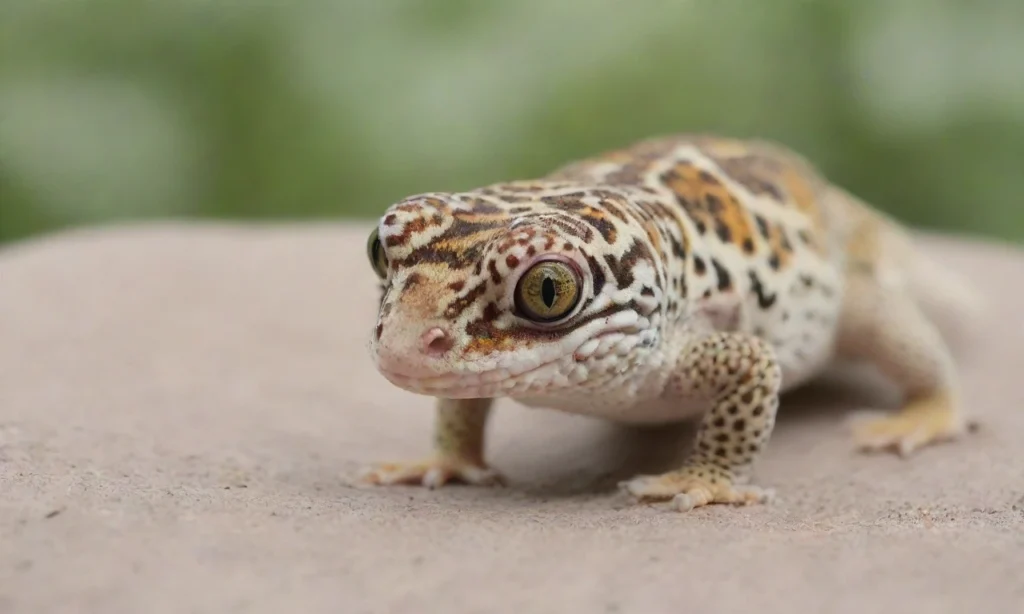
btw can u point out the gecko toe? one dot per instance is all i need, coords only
(433, 473)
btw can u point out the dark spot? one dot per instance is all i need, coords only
(733, 410)
(530, 251)
(748, 397)
(774, 262)
(722, 437)
(753, 447)
(493, 269)
(457, 286)
(757, 433)
(762, 225)
(758, 410)
(390, 219)
(596, 273)
(698, 265)
(739, 425)
(707, 177)
(714, 205)
(380, 330)
(479, 267)
(701, 228)
(491, 312)
(763, 301)
(646, 291)
(739, 450)
(721, 453)
(511, 261)
(707, 293)
(719, 422)
(677, 247)
(748, 245)
(724, 280)
(724, 232)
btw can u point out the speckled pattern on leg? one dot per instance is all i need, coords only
(741, 378)
(459, 436)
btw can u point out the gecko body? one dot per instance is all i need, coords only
(688, 277)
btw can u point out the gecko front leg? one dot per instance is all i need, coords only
(740, 377)
(459, 436)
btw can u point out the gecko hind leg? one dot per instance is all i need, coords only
(740, 377)
(883, 325)
(459, 434)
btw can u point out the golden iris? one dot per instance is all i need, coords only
(548, 291)
(375, 251)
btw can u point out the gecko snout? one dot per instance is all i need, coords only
(436, 342)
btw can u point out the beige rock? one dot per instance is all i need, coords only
(183, 409)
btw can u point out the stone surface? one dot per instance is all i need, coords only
(183, 410)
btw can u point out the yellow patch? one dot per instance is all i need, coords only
(711, 205)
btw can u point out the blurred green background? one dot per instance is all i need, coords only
(138, 109)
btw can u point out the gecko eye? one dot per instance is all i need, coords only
(375, 251)
(548, 291)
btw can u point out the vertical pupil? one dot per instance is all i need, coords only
(547, 291)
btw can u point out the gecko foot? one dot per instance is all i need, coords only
(695, 486)
(434, 473)
(922, 422)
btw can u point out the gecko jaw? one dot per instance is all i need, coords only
(533, 379)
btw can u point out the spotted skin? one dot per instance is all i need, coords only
(709, 274)
(740, 378)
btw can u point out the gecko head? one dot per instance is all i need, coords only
(490, 299)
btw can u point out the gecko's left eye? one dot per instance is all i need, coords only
(548, 291)
(375, 251)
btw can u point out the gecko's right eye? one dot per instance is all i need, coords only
(375, 251)
(548, 292)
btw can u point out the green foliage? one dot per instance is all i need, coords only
(127, 109)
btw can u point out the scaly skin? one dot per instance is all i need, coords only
(683, 277)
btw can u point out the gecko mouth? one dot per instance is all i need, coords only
(568, 368)
(490, 383)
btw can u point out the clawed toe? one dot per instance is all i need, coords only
(920, 424)
(433, 473)
(694, 487)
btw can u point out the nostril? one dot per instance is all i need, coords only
(436, 342)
